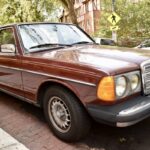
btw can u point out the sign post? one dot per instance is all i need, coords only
(114, 18)
(114, 33)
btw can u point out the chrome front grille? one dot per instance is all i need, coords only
(145, 67)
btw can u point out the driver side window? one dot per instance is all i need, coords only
(7, 41)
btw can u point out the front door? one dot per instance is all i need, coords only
(10, 62)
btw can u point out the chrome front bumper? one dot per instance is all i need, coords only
(123, 114)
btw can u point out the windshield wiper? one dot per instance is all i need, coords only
(82, 42)
(47, 45)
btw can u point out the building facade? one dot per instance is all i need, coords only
(88, 15)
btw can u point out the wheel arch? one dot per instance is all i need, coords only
(46, 84)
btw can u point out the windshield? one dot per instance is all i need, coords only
(37, 36)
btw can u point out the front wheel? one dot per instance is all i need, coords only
(65, 115)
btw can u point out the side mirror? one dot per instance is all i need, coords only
(8, 48)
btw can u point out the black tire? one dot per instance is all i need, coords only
(74, 119)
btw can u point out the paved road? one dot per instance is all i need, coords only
(27, 124)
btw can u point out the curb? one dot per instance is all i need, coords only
(7, 142)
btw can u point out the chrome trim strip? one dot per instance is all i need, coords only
(20, 97)
(2, 66)
(148, 80)
(135, 109)
(63, 78)
(52, 76)
(126, 124)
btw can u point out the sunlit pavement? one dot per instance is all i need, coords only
(27, 125)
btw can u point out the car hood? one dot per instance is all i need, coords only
(111, 60)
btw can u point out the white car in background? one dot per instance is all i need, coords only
(144, 45)
(104, 41)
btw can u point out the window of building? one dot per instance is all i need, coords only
(95, 5)
(78, 1)
(87, 7)
(82, 9)
(88, 24)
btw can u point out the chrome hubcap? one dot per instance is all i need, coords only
(59, 114)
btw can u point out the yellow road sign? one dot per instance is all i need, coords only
(114, 28)
(114, 18)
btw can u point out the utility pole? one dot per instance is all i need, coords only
(114, 33)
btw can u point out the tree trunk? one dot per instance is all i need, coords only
(72, 12)
(69, 4)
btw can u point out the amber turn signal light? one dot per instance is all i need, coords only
(106, 89)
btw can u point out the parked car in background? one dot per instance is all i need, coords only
(104, 41)
(144, 45)
(59, 68)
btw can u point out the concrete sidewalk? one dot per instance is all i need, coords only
(7, 142)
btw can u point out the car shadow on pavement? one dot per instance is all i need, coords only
(104, 137)
(101, 137)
